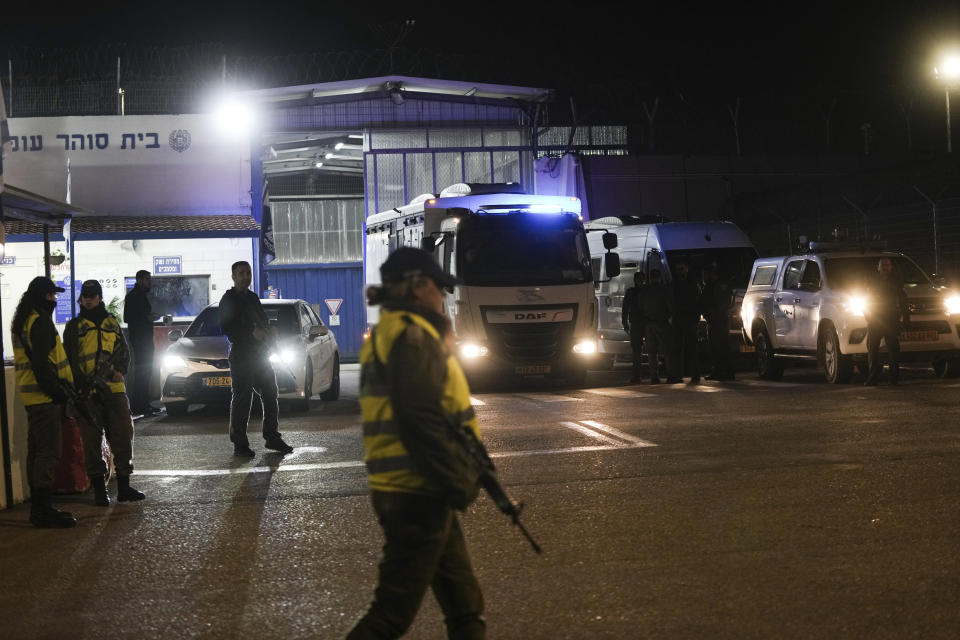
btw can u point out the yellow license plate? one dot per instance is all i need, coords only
(532, 369)
(216, 381)
(747, 348)
(919, 336)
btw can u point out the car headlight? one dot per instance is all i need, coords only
(174, 362)
(585, 347)
(857, 304)
(470, 350)
(952, 304)
(286, 356)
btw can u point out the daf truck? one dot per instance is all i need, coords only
(526, 306)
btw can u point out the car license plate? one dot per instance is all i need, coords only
(216, 381)
(919, 336)
(747, 348)
(532, 369)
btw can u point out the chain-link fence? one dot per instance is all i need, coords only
(663, 119)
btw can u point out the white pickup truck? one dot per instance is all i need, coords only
(811, 307)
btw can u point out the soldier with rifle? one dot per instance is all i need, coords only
(99, 359)
(423, 453)
(43, 381)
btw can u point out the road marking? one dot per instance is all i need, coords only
(618, 392)
(769, 383)
(477, 402)
(359, 464)
(703, 388)
(548, 397)
(619, 434)
(592, 433)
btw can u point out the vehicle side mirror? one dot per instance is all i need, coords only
(318, 330)
(174, 335)
(612, 263)
(609, 241)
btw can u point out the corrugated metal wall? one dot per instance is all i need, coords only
(317, 282)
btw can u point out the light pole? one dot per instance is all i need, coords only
(948, 72)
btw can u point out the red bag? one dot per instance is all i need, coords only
(71, 475)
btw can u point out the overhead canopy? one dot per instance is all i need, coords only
(21, 204)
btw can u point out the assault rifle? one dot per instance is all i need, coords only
(488, 480)
(99, 379)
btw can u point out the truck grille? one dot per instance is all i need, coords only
(926, 305)
(529, 343)
(219, 363)
(940, 326)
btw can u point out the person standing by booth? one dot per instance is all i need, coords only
(99, 359)
(139, 316)
(44, 380)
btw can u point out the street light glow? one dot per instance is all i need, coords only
(949, 68)
(234, 116)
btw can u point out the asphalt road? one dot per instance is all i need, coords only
(744, 509)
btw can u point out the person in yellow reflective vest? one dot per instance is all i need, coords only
(412, 394)
(43, 379)
(99, 359)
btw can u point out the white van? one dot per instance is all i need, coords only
(644, 244)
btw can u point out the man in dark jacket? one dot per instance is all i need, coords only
(246, 326)
(687, 296)
(716, 299)
(658, 309)
(139, 316)
(888, 311)
(44, 380)
(633, 323)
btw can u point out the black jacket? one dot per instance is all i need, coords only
(240, 313)
(136, 313)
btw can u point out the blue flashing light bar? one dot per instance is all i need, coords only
(498, 203)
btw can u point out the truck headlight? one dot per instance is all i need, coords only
(856, 304)
(174, 362)
(585, 347)
(952, 305)
(470, 350)
(286, 356)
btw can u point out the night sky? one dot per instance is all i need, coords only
(718, 47)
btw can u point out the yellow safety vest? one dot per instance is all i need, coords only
(389, 466)
(30, 391)
(92, 341)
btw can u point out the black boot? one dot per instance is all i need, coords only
(43, 515)
(100, 496)
(126, 493)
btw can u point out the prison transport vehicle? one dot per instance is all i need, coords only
(652, 242)
(526, 306)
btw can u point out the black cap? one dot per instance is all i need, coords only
(91, 288)
(41, 286)
(407, 262)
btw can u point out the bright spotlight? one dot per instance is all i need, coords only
(233, 116)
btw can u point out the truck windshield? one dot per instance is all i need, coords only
(733, 263)
(855, 271)
(520, 249)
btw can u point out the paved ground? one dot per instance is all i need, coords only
(745, 509)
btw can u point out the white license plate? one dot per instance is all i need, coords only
(216, 381)
(919, 336)
(532, 369)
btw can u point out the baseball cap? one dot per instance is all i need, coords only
(91, 288)
(407, 262)
(42, 286)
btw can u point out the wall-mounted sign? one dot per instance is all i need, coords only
(333, 304)
(167, 265)
(9, 260)
(65, 301)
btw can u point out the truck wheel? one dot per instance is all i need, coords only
(838, 368)
(768, 366)
(947, 368)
